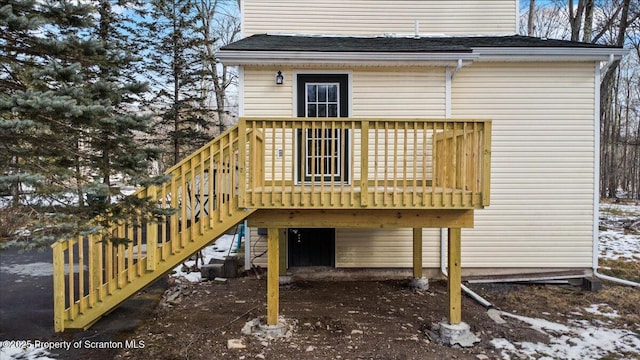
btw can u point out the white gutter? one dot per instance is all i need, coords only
(241, 57)
(547, 54)
(596, 182)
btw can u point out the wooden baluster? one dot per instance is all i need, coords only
(405, 152)
(415, 153)
(436, 170)
(175, 217)
(273, 162)
(201, 193)
(163, 225)
(93, 270)
(334, 158)
(192, 198)
(81, 274)
(376, 165)
(211, 194)
(72, 305)
(130, 254)
(152, 234)
(386, 162)
(486, 164)
(101, 267)
(184, 220)
(395, 164)
(364, 163)
(283, 167)
(424, 163)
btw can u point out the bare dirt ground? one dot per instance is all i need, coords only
(356, 320)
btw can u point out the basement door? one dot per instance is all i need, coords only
(322, 156)
(312, 247)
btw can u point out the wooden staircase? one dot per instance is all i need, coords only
(93, 275)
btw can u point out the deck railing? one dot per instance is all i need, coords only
(365, 163)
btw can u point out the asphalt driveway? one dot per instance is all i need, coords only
(26, 309)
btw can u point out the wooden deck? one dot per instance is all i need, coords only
(283, 172)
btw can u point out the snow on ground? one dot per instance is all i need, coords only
(224, 246)
(579, 340)
(582, 339)
(29, 352)
(615, 241)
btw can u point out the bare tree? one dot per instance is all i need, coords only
(530, 20)
(219, 25)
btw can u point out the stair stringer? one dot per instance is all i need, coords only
(102, 308)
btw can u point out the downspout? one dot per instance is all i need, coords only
(443, 232)
(443, 269)
(596, 180)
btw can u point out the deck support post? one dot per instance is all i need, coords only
(273, 275)
(455, 276)
(282, 240)
(417, 253)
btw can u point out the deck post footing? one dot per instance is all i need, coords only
(457, 334)
(421, 283)
(260, 329)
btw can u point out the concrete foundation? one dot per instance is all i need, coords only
(258, 328)
(274, 331)
(457, 334)
(419, 283)
(285, 280)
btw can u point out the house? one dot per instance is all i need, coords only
(378, 136)
(443, 60)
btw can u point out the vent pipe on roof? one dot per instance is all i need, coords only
(416, 29)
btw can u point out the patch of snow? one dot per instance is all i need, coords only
(224, 246)
(614, 243)
(35, 269)
(602, 310)
(29, 352)
(579, 340)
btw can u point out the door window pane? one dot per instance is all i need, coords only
(323, 99)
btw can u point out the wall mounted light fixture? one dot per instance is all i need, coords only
(279, 78)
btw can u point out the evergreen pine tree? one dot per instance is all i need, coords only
(68, 121)
(176, 67)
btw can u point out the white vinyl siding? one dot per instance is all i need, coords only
(392, 92)
(262, 97)
(384, 248)
(542, 185)
(542, 167)
(377, 17)
(385, 92)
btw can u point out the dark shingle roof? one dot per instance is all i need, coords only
(264, 42)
